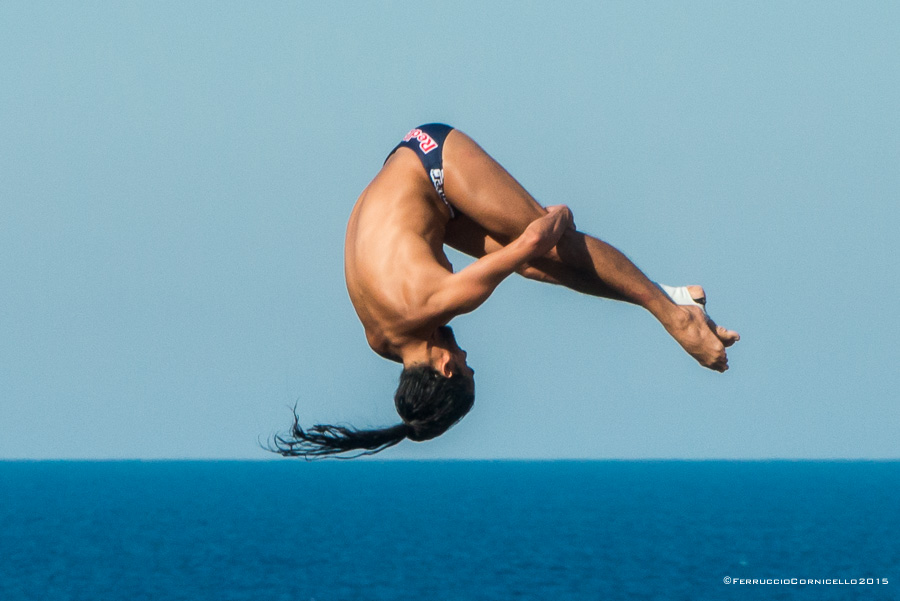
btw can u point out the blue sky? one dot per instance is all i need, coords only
(175, 181)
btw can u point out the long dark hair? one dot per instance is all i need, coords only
(427, 402)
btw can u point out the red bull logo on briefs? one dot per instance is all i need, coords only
(426, 142)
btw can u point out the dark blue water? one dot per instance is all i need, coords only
(348, 531)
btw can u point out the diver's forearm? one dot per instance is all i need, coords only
(465, 291)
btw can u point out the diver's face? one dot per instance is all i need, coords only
(447, 341)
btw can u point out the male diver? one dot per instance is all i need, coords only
(439, 187)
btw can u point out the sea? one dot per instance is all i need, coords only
(367, 530)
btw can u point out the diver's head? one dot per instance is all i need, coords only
(433, 396)
(437, 388)
(430, 403)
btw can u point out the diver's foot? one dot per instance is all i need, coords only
(696, 332)
(697, 296)
(728, 337)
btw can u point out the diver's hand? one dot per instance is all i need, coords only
(542, 234)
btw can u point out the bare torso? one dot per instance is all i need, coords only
(393, 253)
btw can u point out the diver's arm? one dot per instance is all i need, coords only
(465, 291)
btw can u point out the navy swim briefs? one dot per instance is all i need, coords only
(428, 143)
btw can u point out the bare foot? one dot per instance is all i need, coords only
(728, 337)
(700, 336)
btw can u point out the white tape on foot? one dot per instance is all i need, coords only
(680, 295)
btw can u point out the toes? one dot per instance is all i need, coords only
(728, 337)
(721, 365)
(697, 293)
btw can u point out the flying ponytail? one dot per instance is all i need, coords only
(330, 441)
(427, 402)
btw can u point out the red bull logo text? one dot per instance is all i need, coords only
(426, 142)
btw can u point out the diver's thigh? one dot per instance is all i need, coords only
(483, 190)
(466, 236)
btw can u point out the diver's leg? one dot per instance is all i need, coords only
(489, 196)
